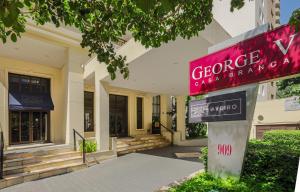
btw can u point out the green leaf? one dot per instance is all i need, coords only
(13, 37)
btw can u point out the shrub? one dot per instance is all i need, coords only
(205, 182)
(284, 138)
(204, 157)
(269, 167)
(195, 130)
(90, 146)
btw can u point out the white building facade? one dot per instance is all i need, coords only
(80, 94)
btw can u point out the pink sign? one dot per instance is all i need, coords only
(266, 56)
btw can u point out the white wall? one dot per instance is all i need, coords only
(236, 22)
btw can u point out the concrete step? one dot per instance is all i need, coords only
(149, 137)
(41, 165)
(39, 174)
(59, 155)
(32, 164)
(125, 140)
(19, 162)
(123, 152)
(142, 147)
(122, 145)
(36, 152)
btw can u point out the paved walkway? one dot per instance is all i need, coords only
(136, 172)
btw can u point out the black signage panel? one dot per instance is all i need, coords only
(227, 107)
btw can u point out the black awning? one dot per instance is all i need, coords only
(21, 101)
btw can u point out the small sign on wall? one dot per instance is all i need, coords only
(292, 104)
(227, 107)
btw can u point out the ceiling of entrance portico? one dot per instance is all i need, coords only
(165, 70)
(35, 51)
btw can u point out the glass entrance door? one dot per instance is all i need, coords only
(156, 115)
(39, 126)
(118, 117)
(28, 126)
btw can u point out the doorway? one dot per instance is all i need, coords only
(118, 115)
(29, 104)
(88, 111)
(156, 115)
(28, 127)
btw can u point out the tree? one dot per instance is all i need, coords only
(288, 87)
(104, 22)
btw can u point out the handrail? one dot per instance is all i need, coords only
(169, 130)
(1, 154)
(83, 143)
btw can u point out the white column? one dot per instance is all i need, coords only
(164, 117)
(180, 116)
(101, 115)
(74, 97)
(4, 108)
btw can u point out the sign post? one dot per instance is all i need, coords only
(227, 140)
(237, 66)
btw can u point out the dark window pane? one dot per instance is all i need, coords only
(139, 114)
(25, 84)
(28, 84)
(118, 117)
(36, 85)
(15, 127)
(44, 126)
(24, 126)
(36, 126)
(88, 111)
(14, 83)
(156, 108)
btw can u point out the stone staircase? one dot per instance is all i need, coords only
(140, 143)
(23, 166)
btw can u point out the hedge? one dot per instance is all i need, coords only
(205, 182)
(269, 167)
(286, 138)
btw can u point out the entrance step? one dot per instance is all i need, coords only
(140, 143)
(32, 164)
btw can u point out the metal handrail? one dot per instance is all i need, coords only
(169, 130)
(83, 144)
(1, 154)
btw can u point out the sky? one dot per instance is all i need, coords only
(286, 9)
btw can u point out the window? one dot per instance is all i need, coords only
(28, 84)
(156, 108)
(139, 112)
(272, 84)
(88, 111)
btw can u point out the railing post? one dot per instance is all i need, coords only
(83, 150)
(74, 137)
(1, 155)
